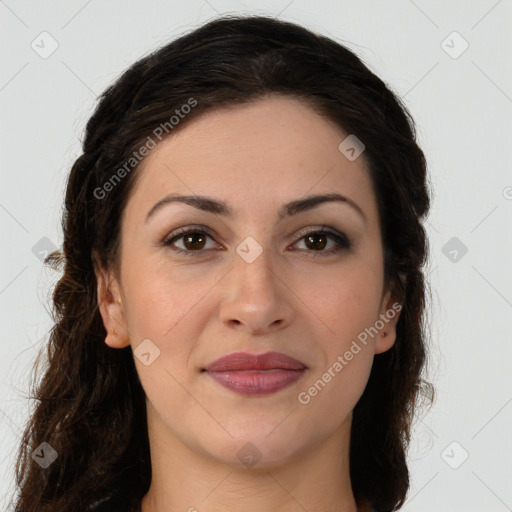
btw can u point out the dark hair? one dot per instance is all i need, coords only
(90, 403)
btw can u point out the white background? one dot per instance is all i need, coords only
(463, 109)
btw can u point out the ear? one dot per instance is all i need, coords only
(389, 314)
(111, 308)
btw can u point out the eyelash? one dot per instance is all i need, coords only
(342, 241)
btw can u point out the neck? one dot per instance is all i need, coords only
(185, 479)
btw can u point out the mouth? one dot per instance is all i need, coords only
(253, 374)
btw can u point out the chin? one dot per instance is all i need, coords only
(255, 449)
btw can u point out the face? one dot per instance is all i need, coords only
(246, 273)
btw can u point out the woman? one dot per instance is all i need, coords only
(239, 323)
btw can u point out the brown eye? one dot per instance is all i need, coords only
(190, 241)
(316, 241)
(194, 241)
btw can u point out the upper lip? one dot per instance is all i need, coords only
(246, 361)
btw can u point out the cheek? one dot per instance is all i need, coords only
(163, 300)
(333, 390)
(345, 300)
(344, 304)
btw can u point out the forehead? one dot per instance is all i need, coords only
(256, 155)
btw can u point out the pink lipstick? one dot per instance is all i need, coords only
(256, 374)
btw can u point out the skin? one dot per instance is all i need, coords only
(197, 308)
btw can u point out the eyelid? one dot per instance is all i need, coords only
(342, 241)
(323, 229)
(187, 229)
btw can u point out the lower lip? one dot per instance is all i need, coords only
(255, 382)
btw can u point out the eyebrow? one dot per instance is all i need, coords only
(218, 207)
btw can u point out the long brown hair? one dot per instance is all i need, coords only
(90, 403)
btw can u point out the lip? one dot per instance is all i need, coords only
(246, 361)
(256, 374)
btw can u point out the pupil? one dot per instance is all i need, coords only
(312, 238)
(192, 240)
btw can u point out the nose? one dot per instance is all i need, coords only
(256, 299)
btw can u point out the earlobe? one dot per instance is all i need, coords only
(388, 319)
(111, 309)
(385, 341)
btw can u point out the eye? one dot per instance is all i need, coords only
(192, 240)
(317, 241)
